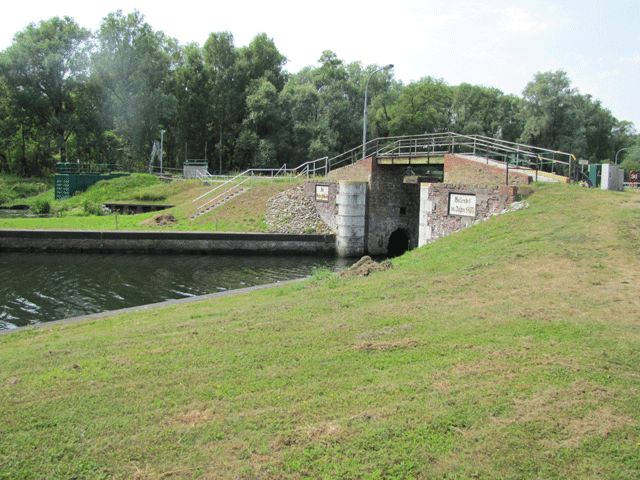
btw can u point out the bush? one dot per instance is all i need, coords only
(41, 207)
(92, 208)
(5, 198)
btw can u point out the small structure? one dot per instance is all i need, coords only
(607, 176)
(612, 177)
(195, 169)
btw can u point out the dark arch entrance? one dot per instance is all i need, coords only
(398, 243)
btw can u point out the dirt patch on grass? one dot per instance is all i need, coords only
(326, 431)
(11, 381)
(364, 267)
(164, 219)
(555, 401)
(193, 418)
(597, 423)
(382, 346)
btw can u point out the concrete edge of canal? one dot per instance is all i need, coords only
(164, 242)
(149, 306)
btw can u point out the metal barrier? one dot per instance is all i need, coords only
(437, 144)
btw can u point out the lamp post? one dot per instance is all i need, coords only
(161, 141)
(621, 150)
(364, 116)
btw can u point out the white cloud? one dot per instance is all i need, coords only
(521, 20)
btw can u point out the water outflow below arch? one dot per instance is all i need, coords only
(398, 243)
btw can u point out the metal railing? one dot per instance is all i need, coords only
(437, 144)
(227, 184)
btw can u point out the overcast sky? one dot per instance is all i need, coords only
(500, 43)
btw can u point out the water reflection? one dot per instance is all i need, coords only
(43, 287)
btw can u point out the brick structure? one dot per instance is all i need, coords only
(392, 205)
(436, 219)
(359, 171)
(460, 170)
(398, 205)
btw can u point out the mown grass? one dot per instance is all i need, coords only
(241, 214)
(508, 350)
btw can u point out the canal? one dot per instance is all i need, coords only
(39, 287)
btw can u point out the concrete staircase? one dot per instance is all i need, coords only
(221, 200)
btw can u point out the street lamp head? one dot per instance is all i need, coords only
(388, 67)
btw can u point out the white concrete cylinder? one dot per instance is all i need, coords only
(351, 201)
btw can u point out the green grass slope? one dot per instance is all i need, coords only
(244, 213)
(508, 350)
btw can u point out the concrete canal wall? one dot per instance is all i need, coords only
(164, 242)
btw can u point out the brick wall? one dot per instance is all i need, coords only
(391, 205)
(459, 170)
(359, 171)
(435, 220)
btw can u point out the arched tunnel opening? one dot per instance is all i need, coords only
(398, 243)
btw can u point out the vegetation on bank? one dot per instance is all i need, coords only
(84, 210)
(507, 350)
(13, 190)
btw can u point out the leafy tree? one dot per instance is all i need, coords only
(261, 58)
(631, 160)
(422, 107)
(193, 103)
(552, 116)
(226, 85)
(133, 63)
(45, 71)
(261, 136)
(598, 127)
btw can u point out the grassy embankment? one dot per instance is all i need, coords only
(508, 350)
(243, 213)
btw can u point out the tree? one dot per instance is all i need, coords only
(227, 85)
(193, 98)
(631, 160)
(552, 116)
(263, 134)
(134, 64)
(45, 70)
(422, 107)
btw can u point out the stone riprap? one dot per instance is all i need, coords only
(292, 211)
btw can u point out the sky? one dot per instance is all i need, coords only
(496, 43)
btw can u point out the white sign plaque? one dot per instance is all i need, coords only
(462, 204)
(322, 193)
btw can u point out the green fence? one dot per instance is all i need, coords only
(71, 179)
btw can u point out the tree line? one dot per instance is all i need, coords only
(68, 94)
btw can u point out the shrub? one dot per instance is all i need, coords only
(41, 207)
(92, 208)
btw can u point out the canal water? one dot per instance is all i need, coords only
(39, 287)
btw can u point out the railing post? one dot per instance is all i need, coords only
(474, 145)
(506, 162)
